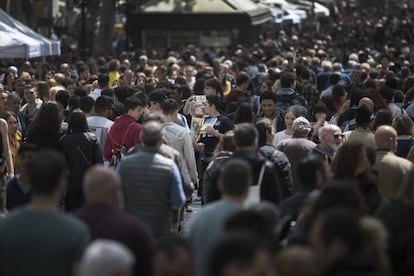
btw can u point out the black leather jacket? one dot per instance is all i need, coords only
(270, 189)
(281, 165)
(82, 151)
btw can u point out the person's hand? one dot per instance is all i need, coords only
(199, 147)
(320, 116)
(190, 100)
(188, 105)
(94, 85)
(9, 176)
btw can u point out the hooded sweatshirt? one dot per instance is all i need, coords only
(125, 131)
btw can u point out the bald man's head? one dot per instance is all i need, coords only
(102, 185)
(368, 103)
(386, 138)
(152, 134)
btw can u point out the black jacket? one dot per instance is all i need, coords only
(81, 151)
(270, 187)
(210, 187)
(282, 167)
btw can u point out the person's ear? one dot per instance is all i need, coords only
(269, 133)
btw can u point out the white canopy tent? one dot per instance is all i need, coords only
(47, 47)
(14, 44)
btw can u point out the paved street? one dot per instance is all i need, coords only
(195, 206)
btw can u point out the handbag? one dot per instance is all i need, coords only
(253, 196)
(118, 152)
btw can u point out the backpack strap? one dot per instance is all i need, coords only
(126, 132)
(123, 138)
(262, 170)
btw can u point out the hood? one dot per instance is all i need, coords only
(174, 133)
(267, 151)
(285, 91)
(122, 122)
(254, 159)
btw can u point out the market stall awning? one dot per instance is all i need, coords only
(48, 47)
(14, 44)
(199, 14)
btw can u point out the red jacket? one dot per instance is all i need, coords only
(232, 96)
(124, 131)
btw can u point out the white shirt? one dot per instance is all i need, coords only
(279, 136)
(95, 93)
(100, 127)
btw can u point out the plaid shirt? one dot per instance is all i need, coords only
(311, 94)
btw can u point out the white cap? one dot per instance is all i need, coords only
(301, 123)
(13, 69)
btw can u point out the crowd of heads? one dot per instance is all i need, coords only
(334, 110)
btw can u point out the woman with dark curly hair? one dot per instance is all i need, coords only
(45, 129)
(353, 161)
(244, 114)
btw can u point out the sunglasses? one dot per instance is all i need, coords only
(338, 135)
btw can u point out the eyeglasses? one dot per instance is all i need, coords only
(338, 135)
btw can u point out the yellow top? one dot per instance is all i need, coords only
(113, 76)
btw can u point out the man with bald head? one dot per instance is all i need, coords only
(391, 169)
(330, 137)
(151, 182)
(105, 220)
(59, 78)
(65, 69)
(368, 102)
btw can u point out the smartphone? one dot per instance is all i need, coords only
(200, 98)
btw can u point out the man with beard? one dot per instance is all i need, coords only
(268, 106)
(330, 137)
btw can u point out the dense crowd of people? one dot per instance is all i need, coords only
(300, 151)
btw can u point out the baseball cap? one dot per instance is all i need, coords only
(301, 123)
(13, 69)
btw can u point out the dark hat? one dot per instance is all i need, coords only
(364, 116)
(301, 123)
